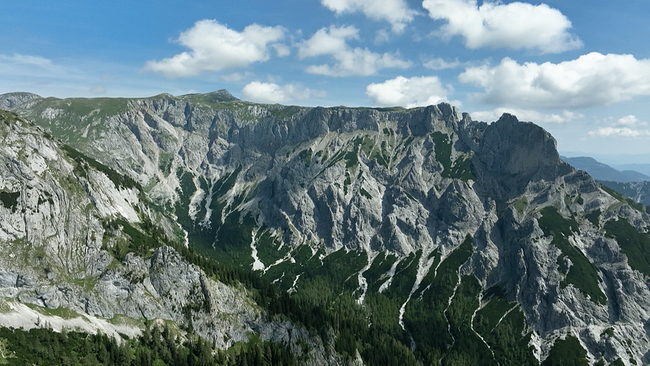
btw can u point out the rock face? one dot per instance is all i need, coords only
(56, 233)
(11, 100)
(260, 183)
(638, 191)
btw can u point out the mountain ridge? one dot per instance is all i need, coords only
(601, 171)
(393, 195)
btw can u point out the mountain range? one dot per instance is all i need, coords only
(601, 171)
(348, 235)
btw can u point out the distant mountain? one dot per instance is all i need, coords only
(600, 171)
(641, 168)
(613, 160)
(11, 100)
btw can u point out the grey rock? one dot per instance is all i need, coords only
(400, 181)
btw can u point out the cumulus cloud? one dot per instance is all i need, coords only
(348, 61)
(619, 132)
(215, 47)
(236, 76)
(273, 93)
(408, 92)
(515, 25)
(282, 50)
(590, 80)
(396, 12)
(630, 121)
(440, 64)
(527, 115)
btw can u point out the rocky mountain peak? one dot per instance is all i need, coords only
(11, 100)
(516, 153)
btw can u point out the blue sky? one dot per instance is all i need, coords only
(580, 69)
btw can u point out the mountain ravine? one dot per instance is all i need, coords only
(391, 235)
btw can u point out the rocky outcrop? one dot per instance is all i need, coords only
(58, 240)
(410, 182)
(11, 100)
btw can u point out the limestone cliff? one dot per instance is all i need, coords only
(261, 185)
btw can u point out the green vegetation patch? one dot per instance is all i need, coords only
(286, 112)
(582, 274)
(489, 316)
(442, 148)
(594, 217)
(521, 204)
(365, 193)
(425, 318)
(165, 161)
(367, 145)
(156, 346)
(623, 199)
(101, 107)
(5, 308)
(140, 242)
(9, 199)
(377, 274)
(226, 239)
(502, 324)
(306, 156)
(380, 157)
(461, 169)
(634, 244)
(61, 312)
(566, 351)
(351, 159)
(270, 248)
(83, 162)
(468, 348)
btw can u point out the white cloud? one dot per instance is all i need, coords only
(526, 115)
(347, 61)
(282, 50)
(327, 41)
(619, 132)
(590, 80)
(515, 25)
(34, 66)
(629, 121)
(396, 12)
(236, 76)
(273, 93)
(382, 36)
(440, 64)
(215, 47)
(408, 92)
(17, 58)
